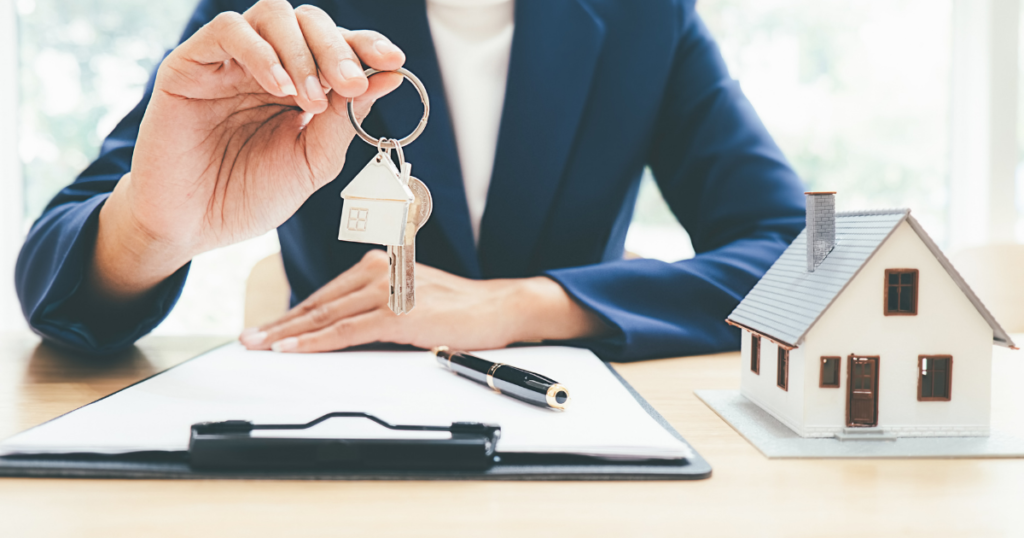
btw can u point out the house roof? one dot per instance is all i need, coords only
(377, 181)
(788, 300)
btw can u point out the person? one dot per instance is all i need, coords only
(544, 115)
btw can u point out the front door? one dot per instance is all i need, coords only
(862, 405)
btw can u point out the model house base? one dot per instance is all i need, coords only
(777, 440)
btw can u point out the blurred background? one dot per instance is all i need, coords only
(893, 103)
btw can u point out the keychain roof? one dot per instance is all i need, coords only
(376, 181)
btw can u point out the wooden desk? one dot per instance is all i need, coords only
(748, 495)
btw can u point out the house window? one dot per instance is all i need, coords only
(829, 372)
(357, 219)
(900, 292)
(935, 376)
(755, 353)
(783, 370)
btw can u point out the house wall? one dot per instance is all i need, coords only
(946, 324)
(787, 406)
(384, 221)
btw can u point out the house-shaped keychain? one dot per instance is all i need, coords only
(863, 329)
(376, 204)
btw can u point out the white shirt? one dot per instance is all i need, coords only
(473, 40)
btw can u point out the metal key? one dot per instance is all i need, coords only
(402, 259)
(402, 298)
(396, 257)
(393, 293)
(419, 212)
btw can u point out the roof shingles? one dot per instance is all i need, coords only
(788, 300)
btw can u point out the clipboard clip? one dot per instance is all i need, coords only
(229, 445)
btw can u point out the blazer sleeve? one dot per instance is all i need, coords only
(58, 249)
(729, 185)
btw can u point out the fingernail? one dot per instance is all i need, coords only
(384, 46)
(349, 69)
(254, 338)
(286, 345)
(283, 80)
(314, 91)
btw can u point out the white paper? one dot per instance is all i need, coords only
(231, 383)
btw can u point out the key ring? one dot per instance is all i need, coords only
(384, 152)
(419, 127)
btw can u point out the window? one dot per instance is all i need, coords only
(783, 369)
(935, 378)
(755, 353)
(808, 67)
(901, 292)
(357, 219)
(829, 372)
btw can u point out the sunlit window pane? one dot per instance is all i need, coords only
(1020, 133)
(856, 92)
(84, 65)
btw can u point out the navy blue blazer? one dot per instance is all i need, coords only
(597, 89)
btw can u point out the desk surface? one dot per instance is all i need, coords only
(747, 495)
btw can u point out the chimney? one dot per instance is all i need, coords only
(821, 227)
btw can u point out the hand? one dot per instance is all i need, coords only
(450, 310)
(248, 119)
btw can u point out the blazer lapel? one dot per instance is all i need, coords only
(554, 52)
(433, 155)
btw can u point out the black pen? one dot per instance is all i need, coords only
(520, 384)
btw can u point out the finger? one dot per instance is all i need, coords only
(378, 52)
(375, 50)
(379, 86)
(230, 37)
(322, 316)
(336, 60)
(354, 331)
(275, 20)
(373, 264)
(334, 125)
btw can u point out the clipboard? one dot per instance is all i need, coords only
(507, 466)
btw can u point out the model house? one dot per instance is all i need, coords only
(864, 323)
(376, 205)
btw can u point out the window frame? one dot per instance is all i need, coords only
(755, 353)
(821, 374)
(914, 291)
(782, 365)
(920, 379)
